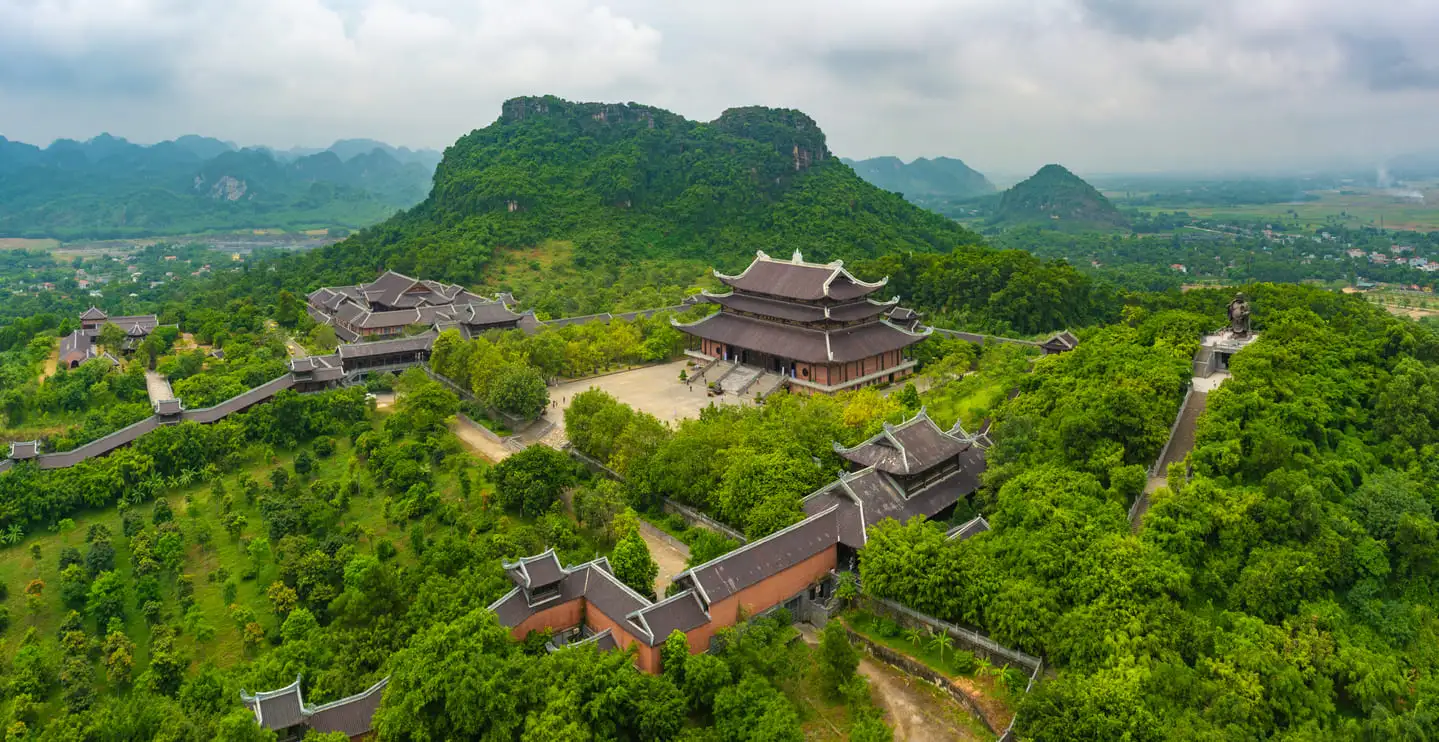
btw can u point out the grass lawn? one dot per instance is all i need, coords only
(822, 717)
(976, 396)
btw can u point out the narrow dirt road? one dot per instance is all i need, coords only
(918, 711)
(51, 362)
(670, 558)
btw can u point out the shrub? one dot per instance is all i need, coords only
(889, 628)
(325, 448)
(385, 550)
(963, 662)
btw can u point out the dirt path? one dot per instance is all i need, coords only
(670, 558)
(918, 711)
(51, 362)
(478, 443)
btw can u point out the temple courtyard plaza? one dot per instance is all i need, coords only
(653, 389)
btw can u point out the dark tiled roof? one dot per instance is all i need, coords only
(144, 323)
(1060, 342)
(606, 594)
(851, 519)
(605, 641)
(682, 611)
(908, 449)
(99, 447)
(93, 313)
(485, 313)
(796, 279)
(77, 346)
(855, 343)
(346, 334)
(767, 337)
(878, 496)
(787, 310)
(277, 709)
(385, 347)
(859, 310)
(241, 401)
(800, 343)
(168, 407)
(388, 287)
(353, 715)
(536, 571)
(722, 577)
(968, 529)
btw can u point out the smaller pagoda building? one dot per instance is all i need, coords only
(814, 323)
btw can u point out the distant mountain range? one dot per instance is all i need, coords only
(108, 187)
(924, 179)
(1055, 197)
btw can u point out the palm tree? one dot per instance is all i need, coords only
(915, 636)
(940, 641)
(13, 535)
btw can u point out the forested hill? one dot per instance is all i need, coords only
(1060, 199)
(629, 182)
(108, 187)
(924, 179)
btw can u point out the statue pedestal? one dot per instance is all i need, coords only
(1215, 351)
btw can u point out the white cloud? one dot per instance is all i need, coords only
(1004, 84)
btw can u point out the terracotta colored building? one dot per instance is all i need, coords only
(910, 470)
(813, 323)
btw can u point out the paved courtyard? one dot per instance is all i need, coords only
(653, 389)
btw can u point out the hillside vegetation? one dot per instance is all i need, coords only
(108, 187)
(1058, 198)
(625, 182)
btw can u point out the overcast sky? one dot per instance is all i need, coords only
(1007, 85)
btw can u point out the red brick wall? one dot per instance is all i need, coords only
(560, 616)
(648, 658)
(763, 595)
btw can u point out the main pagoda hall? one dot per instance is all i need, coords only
(813, 323)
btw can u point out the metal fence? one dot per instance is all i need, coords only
(973, 640)
(696, 518)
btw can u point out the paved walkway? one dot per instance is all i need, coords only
(1180, 443)
(478, 443)
(158, 387)
(653, 389)
(669, 555)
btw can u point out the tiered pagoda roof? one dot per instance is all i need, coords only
(910, 448)
(808, 312)
(798, 280)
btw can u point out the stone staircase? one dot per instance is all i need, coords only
(767, 384)
(738, 380)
